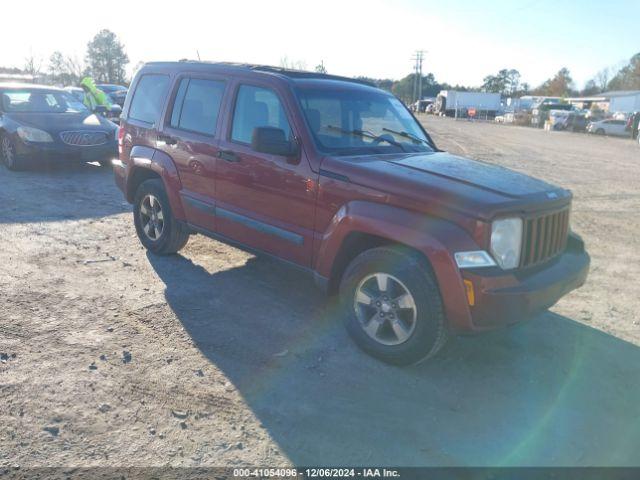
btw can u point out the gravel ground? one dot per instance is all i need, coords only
(112, 357)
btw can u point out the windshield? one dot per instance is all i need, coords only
(111, 88)
(351, 122)
(40, 101)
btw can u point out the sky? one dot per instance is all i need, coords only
(464, 40)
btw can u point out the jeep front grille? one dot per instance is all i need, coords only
(84, 139)
(544, 237)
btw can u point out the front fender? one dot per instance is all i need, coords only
(437, 239)
(143, 157)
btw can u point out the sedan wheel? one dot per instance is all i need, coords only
(9, 154)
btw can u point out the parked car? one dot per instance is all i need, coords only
(337, 177)
(608, 127)
(540, 112)
(576, 122)
(117, 93)
(39, 123)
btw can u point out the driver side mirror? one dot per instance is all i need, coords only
(274, 141)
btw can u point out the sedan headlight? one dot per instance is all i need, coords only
(31, 134)
(506, 242)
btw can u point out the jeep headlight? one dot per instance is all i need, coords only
(506, 242)
(31, 134)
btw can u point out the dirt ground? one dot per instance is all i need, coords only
(112, 357)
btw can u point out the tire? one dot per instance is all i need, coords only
(424, 324)
(166, 235)
(600, 131)
(8, 152)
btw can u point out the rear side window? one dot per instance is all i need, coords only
(197, 105)
(149, 97)
(257, 107)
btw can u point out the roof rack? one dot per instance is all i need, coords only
(288, 72)
(285, 72)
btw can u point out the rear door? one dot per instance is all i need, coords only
(264, 201)
(189, 137)
(144, 111)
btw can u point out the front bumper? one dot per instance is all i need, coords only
(56, 151)
(503, 298)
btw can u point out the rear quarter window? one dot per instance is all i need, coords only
(149, 97)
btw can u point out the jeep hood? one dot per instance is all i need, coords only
(441, 180)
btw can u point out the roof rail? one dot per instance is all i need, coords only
(288, 72)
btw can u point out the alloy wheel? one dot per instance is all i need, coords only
(151, 217)
(7, 152)
(385, 308)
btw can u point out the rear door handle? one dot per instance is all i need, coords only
(167, 139)
(228, 156)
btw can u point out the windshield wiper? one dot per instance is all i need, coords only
(366, 134)
(406, 135)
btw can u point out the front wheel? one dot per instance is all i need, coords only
(9, 156)
(600, 131)
(156, 227)
(392, 305)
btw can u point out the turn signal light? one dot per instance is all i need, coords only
(471, 296)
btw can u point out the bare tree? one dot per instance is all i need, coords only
(64, 69)
(285, 62)
(602, 79)
(320, 68)
(32, 65)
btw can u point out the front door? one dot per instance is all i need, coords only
(264, 201)
(189, 137)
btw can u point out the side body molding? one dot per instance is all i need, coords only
(143, 157)
(437, 239)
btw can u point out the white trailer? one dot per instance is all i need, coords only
(454, 103)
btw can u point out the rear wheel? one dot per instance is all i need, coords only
(392, 305)
(157, 229)
(9, 156)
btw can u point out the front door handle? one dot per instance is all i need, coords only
(228, 156)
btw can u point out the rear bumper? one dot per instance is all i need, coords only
(120, 175)
(505, 298)
(55, 151)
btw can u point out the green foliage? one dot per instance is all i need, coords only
(505, 82)
(106, 58)
(561, 85)
(628, 78)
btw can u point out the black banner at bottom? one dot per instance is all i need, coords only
(310, 473)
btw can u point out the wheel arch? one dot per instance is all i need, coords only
(146, 163)
(359, 226)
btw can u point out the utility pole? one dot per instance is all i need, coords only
(417, 79)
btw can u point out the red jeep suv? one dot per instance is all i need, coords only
(337, 177)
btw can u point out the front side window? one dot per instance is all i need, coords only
(257, 107)
(40, 101)
(360, 121)
(197, 105)
(149, 98)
